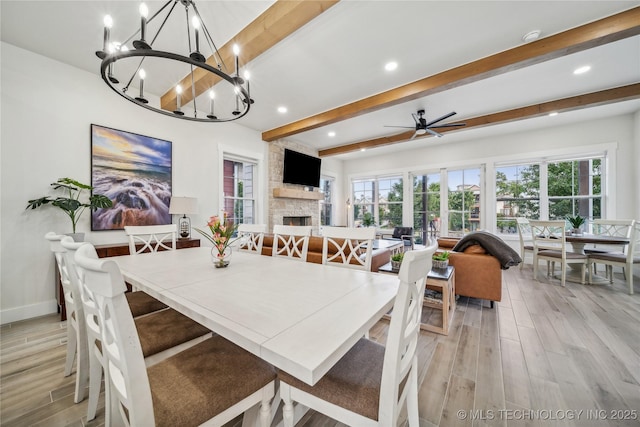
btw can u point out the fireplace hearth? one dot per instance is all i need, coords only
(296, 220)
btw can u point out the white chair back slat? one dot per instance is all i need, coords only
(400, 358)
(76, 329)
(93, 339)
(291, 241)
(152, 237)
(104, 286)
(251, 237)
(349, 247)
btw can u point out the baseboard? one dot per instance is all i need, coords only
(28, 311)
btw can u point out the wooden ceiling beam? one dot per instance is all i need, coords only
(616, 27)
(278, 22)
(609, 96)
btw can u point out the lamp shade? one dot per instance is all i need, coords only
(183, 205)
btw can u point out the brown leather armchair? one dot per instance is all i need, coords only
(478, 274)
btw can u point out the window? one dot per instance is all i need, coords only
(390, 202)
(326, 205)
(463, 201)
(571, 187)
(363, 202)
(574, 188)
(239, 187)
(426, 206)
(517, 195)
(378, 201)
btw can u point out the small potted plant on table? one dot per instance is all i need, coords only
(576, 222)
(396, 260)
(440, 260)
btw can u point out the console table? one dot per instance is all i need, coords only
(109, 250)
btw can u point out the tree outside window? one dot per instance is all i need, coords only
(463, 201)
(517, 195)
(574, 188)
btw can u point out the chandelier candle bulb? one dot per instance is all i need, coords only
(144, 12)
(142, 74)
(178, 92)
(108, 23)
(236, 52)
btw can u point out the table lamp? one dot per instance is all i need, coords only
(184, 206)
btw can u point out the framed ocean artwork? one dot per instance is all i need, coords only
(134, 171)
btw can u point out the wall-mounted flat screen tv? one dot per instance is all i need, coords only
(301, 169)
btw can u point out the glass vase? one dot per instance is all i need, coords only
(221, 260)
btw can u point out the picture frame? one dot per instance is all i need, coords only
(135, 172)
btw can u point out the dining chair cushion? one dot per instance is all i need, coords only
(142, 303)
(192, 387)
(558, 254)
(613, 256)
(165, 329)
(353, 383)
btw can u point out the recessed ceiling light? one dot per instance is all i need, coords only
(390, 66)
(553, 113)
(363, 149)
(282, 110)
(531, 36)
(332, 134)
(582, 70)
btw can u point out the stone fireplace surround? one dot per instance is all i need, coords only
(280, 207)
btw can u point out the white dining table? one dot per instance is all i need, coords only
(301, 317)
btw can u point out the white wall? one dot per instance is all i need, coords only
(47, 108)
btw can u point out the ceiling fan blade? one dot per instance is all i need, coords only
(441, 118)
(415, 118)
(448, 125)
(434, 133)
(403, 127)
(413, 136)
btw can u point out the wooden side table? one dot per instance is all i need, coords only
(104, 251)
(443, 281)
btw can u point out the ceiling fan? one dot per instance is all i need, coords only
(423, 127)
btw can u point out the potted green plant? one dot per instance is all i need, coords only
(440, 260)
(396, 260)
(576, 222)
(69, 202)
(367, 220)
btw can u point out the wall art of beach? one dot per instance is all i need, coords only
(134, 171)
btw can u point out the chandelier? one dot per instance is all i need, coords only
(132, 66)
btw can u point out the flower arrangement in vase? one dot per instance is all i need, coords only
(222, 231)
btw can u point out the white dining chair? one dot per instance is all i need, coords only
(370, 385)
(526, 244)
(162, 333)
(76, 329)
(291, 241)
(626, 259)
(251, 237)
(348, 247)
(213, 382)
(612, 228)
(550, 244)
(152, 237)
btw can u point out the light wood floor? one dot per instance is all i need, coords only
(538, 358)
